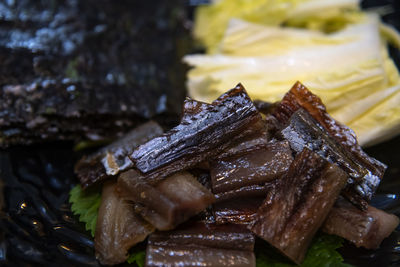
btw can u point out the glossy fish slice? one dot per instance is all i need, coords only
(366, 171)
(237, 211)
(199, 244)
(256, 167)
(303, 131)
(363, 228)
(113, 159)
(258, 190)
(118, 228)
(242, 177)
(205, 130)
(294, 211)
(168, 203)
(193, 256)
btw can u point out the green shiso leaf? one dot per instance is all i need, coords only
(137, 257)
(85, 204)
(322, 253)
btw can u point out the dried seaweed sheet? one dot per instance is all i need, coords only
(89, 76)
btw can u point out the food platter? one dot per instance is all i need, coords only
(39, 228)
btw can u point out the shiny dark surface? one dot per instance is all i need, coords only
(363, 228)
(197, 233)
(37, 224)
(237, 211)
(241, 179)
(387, 199)
(204, 131)
(303, 131)
(363, 170)
(168, 203)
(201, 245)
(194, 256)
(112, 159)
(245, 191)
(296, 208)
(118, 227)
(253, 168)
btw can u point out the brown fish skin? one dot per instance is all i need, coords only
(303, 130)
(237, 211)
(168, 203)
(261, 165)
(245, 192)
(259, 139)
(294, 211)
(111, 160)
(365, 180)
(363, 228)
(205, 130)
(192, 256)
(196, 233)
(199, 244)
(118, 228)
(243, 177)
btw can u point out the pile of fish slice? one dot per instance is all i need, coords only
(230, 172)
